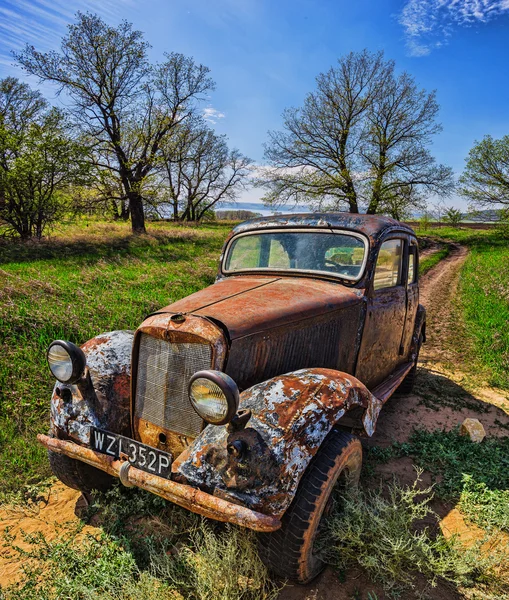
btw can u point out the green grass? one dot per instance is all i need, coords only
(483, 300)
(430, 261)
(476, 476)
(483, 506)
(88, 279)
(385, 533)
(449, 456)
(484, 289)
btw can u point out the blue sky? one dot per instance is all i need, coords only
(264, 55)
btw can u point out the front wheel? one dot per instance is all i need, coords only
(78, 475)
(289, 551)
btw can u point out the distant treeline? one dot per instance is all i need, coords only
(436, 224)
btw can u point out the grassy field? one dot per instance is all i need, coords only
(94, 277)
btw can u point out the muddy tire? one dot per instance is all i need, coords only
(288, 552)
(407, 385)
(78, 475)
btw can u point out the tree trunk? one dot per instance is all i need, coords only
(124, 211)
(352, 199)
(137, 213)
(375, 200)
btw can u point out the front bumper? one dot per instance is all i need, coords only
(186, 496)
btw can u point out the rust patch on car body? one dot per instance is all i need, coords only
(266, 302)
(291, 415)
(101, 398)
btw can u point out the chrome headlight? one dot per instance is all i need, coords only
(66, 361)
(214, 396)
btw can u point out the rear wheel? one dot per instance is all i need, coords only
(78, 475)
(289, 551)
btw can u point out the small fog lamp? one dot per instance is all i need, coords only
(66, 361)
(214, 396)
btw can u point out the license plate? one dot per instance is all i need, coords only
(139, 455)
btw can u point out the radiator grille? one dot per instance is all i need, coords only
(164, 370)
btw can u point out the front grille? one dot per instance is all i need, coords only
(164, 370)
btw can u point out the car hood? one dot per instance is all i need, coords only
(247, 305)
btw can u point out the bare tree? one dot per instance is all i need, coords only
(485, 180)
(315, 159)
(400, 123)
(119, 99)
(360, 139)
(200, 170)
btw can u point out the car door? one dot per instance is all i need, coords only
(384, 325)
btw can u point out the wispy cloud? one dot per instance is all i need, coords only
(212, 114)
(43, 22)
(429, 23)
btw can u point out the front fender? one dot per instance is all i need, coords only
(291, 416)
(102, 398)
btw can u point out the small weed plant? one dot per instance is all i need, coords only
(383, 533)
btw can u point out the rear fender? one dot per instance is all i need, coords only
(419, 330)
(102, 397)
(291, 416)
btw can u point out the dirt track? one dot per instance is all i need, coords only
(397, 420)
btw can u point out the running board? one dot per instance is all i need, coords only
(387, 388)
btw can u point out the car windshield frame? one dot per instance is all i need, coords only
(290, 271)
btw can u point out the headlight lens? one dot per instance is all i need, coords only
(214, 396)
(66, 361)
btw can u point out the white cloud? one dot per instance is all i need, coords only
(43, 23)
(429, 23)
(212, 114)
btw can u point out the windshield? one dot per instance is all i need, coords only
(342, 254)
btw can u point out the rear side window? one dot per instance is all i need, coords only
(388, 264)
(412, 264)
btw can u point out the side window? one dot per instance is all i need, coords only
(388, 265)
(412, 264)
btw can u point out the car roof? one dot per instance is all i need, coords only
(374, 226)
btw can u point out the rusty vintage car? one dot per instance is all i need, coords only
(244, 402)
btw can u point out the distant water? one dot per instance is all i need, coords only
(260, 208)
(166, 212)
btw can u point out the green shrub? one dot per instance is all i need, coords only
(484, 507)
(381, 533)
(449, 456)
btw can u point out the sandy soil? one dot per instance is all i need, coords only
(399, 417)
(60, 506)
